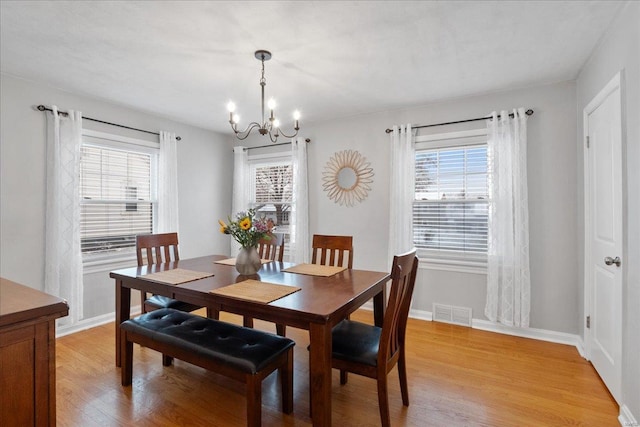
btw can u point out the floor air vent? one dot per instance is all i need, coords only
(451, 314)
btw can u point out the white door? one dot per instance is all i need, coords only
(603, 245)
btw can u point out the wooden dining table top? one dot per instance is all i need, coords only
(319, 299)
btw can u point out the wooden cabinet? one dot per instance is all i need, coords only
(27, 355)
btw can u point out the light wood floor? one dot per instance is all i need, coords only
(457, 377)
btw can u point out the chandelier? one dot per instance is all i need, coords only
(267, 126)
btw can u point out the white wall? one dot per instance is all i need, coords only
(552, 198)
(620, 51)
(204, 173)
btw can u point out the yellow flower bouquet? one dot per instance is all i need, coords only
(246, 229)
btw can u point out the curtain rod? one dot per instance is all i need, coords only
(528, 113)
(307, 140)
(64, 113)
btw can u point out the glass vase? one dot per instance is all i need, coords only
(248, 261)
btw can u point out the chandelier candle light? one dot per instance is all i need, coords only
(270, 126)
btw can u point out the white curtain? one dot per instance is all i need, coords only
(508, 279)
(241, 191)
(168, 184)
(63, 259)
(402, 189)
(300, 243)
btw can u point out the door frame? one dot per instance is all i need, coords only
(616, 83)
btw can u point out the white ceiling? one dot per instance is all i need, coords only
(185, 60)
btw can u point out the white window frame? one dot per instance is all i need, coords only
(258, 160)
(94, 262)
(452, 260)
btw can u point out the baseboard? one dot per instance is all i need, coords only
(536, 334)
(421, 314)
(580, 347)
(626, 418)
(414, 314)
(485, 325)
(90, 323)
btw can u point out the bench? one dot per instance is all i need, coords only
(244, 354)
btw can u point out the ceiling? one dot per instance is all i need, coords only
(185, 60)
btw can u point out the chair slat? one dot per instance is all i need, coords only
(332, 250)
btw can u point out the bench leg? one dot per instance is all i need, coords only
(126, 351)
(254, 400)
(212, 313)
(344, 376)
(166, 360)
(286, 383)
(247, 322)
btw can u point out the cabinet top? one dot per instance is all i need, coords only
(19, 303)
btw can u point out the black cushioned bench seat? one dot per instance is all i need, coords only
(245, 354)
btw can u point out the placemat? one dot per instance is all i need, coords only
(315, 269)
(232, 261)
(176, 276)
(255, 290)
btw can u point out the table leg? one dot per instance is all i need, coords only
(379, 303)
(320, 374)
(123, 312)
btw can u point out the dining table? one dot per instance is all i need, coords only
(315, 302)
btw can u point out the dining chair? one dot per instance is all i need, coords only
(273, 249)
(330, 250)
(373, 351)
(158, 249)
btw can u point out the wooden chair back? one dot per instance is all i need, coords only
(272, 248)
(157, 248)
(331, 250)
(403, 280)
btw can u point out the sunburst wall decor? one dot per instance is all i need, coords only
(347, 177)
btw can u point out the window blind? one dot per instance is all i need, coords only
(272, 191)
(450, 209)
(116, 200)
(273, 184)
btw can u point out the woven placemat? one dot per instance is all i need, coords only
(315, 269)
(255, 290)
(176, 276)
(232, 261)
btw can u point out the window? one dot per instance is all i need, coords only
(450, 208)
(117, 194)
(272, 189)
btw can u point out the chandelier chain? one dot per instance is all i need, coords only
(263, 81)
